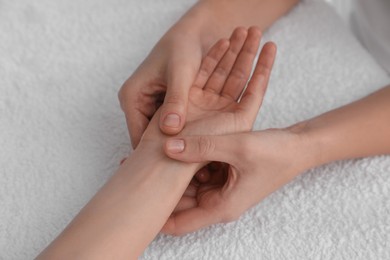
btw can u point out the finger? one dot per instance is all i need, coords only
(221, 72)
(242, 68)
(191, 190)
(190, 220)
(135, 120)
(205, 148)
(203, 175)
(174, 109)
(210, 62)
(253, 96)
(186, 203)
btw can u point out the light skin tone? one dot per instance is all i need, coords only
(128, 212)
(171, 67)
(259, 163)
(132, 207)
(206, 21)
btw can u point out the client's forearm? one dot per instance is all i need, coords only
(129, 210)
(215, 19)
(356, 130)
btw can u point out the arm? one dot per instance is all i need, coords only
(129, 211)
(214, 19)
(172, 65)
(263, 161)
(356, 130)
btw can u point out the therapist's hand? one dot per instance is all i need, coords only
(169, 72)
(256, 164)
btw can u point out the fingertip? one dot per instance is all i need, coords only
(168, 228)
(240, 30)
(171, 123)
(239, 34)
(255, 30)
(203, 175)
(223, 43)
(174, 146)
(271, 46)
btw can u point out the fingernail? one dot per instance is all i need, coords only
(172, 120)
(175, 145)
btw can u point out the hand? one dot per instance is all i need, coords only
(257, 164)
(214, 104)
(169, 71)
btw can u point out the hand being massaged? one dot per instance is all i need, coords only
(214, 109)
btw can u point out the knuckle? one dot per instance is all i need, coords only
(205, 147)
(239, 73)
(204, 71)
(251, 50)
(222, 72)
(174, 99)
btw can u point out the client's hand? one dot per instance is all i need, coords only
(213, 105)
(258, 163)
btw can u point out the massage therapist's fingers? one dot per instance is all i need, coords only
(185, 203)
(190, 220)
(253, 96)
(225, 148)
(210, 62)
(242, 68)
(136, 120)
(203, 175)
(221, 72)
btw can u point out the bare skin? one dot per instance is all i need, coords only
(132, 207)
(258, 163)
(172, 66)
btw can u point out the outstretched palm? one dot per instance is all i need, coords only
(218, 103)
(224, 73)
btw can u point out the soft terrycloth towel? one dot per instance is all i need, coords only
(62, 133)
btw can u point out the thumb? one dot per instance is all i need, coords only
(174, 109)
(193, 149)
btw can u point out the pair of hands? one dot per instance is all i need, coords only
(216, 105)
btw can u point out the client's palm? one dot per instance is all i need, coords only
(214, 106)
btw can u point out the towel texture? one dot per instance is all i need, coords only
(62, 133)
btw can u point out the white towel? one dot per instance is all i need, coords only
(62, 133)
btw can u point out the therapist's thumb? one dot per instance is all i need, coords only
(203, 148)
(174, 109)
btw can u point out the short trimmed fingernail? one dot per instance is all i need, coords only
(172, 120)
(175, 145)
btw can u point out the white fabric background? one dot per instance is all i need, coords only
(62, 133)
(343, 8)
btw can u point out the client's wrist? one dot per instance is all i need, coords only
(201, 24)
(151, 150)
(308, 148)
